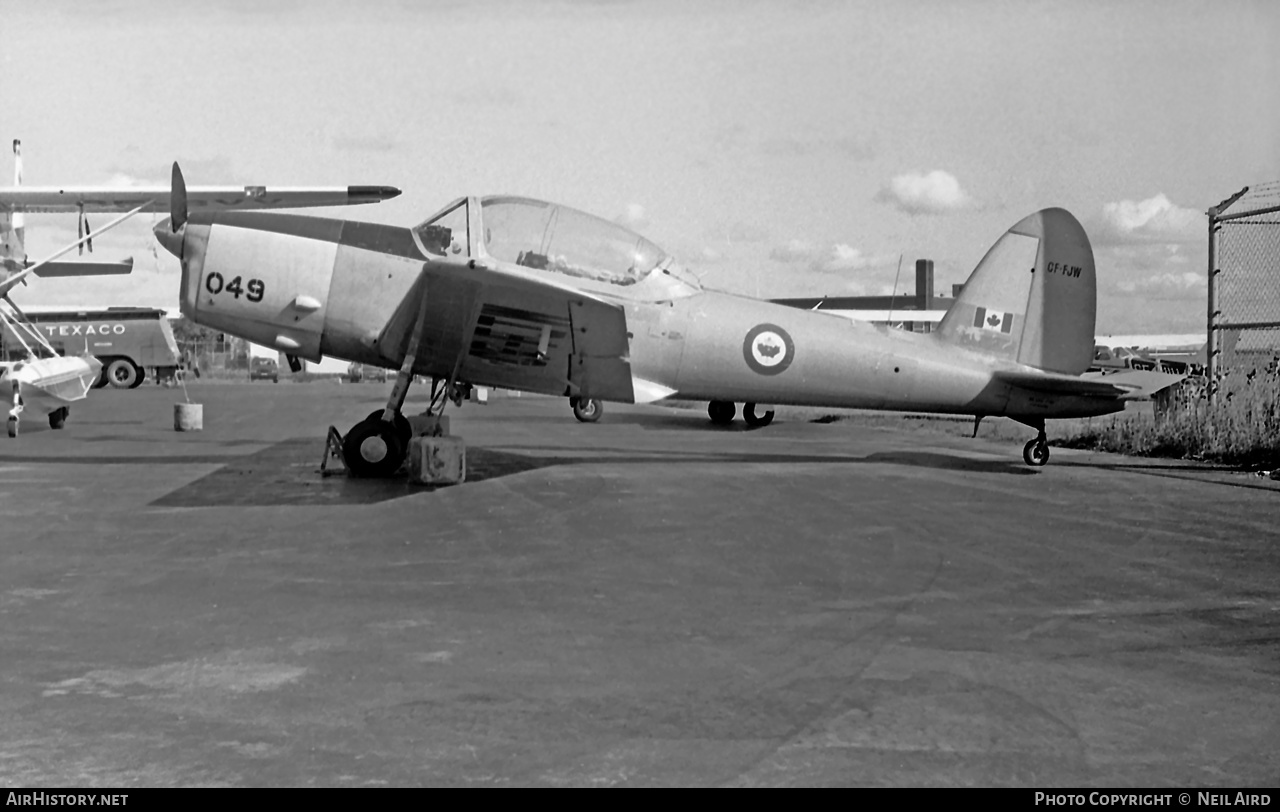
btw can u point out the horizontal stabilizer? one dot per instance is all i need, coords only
(74, 268)
(1139, 383)
(1128, 385)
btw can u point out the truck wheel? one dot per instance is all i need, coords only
(58, 417)
(122, 374)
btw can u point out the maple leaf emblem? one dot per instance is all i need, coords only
(993, 320)
(768, 350)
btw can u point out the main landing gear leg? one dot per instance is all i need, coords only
(377, 445)
(1036, 452)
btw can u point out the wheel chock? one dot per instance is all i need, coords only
(333, 451)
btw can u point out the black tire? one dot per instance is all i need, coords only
(58, 417)
(587, 411)
(1035, 453)
(122, 374)
(13, 427)
(373, 449)
(756, 421)
(102, 378)
(403, 429)
(721, 412)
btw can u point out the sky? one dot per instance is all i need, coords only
(775, 148)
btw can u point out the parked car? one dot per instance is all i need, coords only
(264, 368)
(366, 372)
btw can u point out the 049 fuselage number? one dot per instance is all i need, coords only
(253, 290)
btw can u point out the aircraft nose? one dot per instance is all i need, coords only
(172, 241)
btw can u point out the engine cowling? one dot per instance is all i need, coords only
(265, 278)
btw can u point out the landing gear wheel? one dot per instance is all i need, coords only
(373, 448)
(587, 411)
(58, 417)
(721, 412)
(1036, 452)
(13, 427)
(754, 420)
(122, 374)
(403, 429)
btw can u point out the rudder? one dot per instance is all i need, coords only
(1033, 297)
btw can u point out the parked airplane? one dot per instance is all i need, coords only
(45, 379)
(523, 294)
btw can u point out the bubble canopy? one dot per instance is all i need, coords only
(542, 236)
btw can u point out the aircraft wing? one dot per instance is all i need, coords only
(76, 268)
(499, 328)
(1128, 385)
(53, 199)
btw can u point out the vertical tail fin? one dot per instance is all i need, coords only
(1033, 298)
(13, 250)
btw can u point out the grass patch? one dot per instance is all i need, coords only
(1241, 428)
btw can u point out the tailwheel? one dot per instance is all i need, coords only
(721, 412)
(13, 427)
(58, 417)
(587, 410)
(374, 448)
(757, 416)
(1036, 452)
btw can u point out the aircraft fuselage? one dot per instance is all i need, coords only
(315, 286)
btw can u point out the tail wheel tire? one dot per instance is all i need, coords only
(721, 412)
(1035, 453)
(122, 374)
(587, 411)
(13, 427)
(373, 449)
(756, 420)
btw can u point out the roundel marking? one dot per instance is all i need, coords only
(768, 349)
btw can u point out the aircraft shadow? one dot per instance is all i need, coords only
(287, 473)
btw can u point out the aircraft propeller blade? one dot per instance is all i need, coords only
(177, 200)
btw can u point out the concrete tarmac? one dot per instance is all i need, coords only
(648, 600)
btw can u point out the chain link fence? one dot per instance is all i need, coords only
(1244, 288)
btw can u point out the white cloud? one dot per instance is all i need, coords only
(1185, 285)
(794, 251)
(633, 218)
(1154, 220)
(935, 193)
(843, 257)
